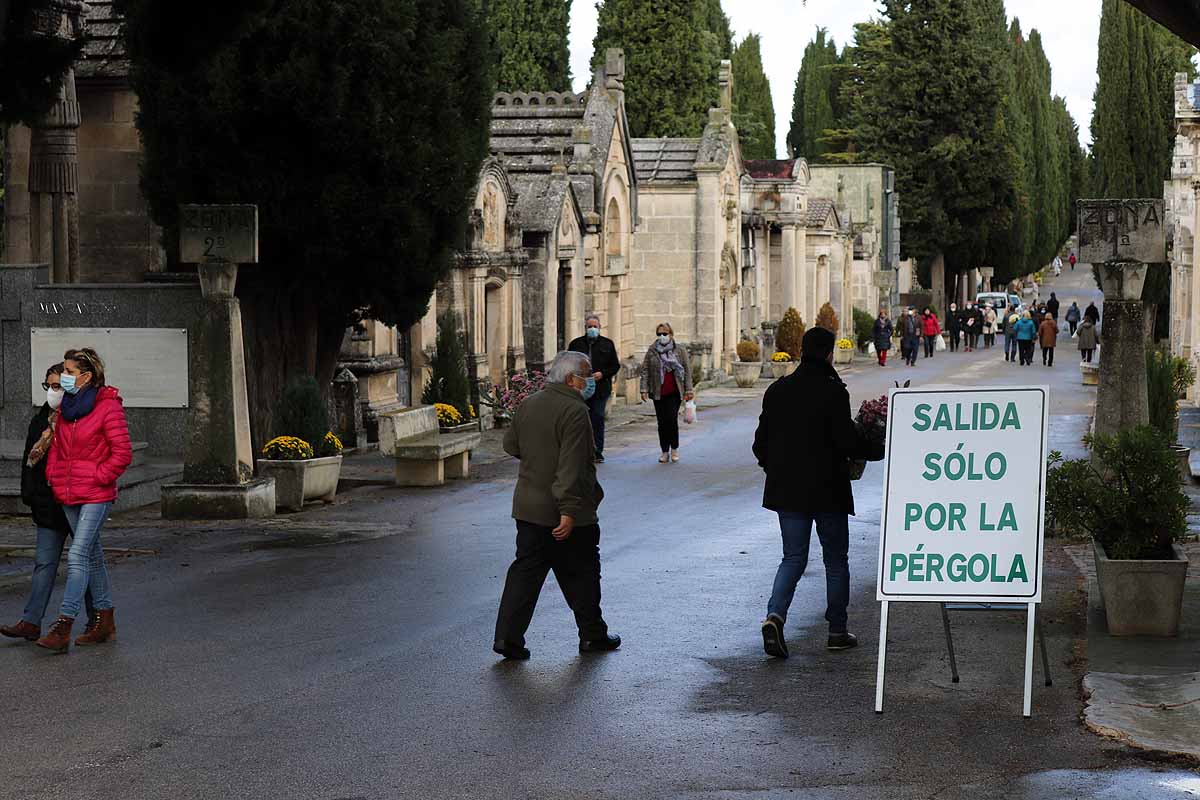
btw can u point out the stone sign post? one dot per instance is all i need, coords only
(218, 472)
(1123, 239)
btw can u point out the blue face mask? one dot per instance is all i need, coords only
(68, 383)
(592, 333)
(589, 388)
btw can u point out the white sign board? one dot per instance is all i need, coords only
(148, 365)
(964, 495)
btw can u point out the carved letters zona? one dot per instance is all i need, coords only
(78, 308)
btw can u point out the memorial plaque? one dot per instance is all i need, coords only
(1122, 230)
(226, 234)
(148, 365)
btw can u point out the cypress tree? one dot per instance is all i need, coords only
(671, 59)
(353, 154)
(814, 99)
(754, 113)
(531, 43)
(717, 23)
(1115, 103)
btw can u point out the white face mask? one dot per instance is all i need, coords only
(54, 397)
(664, 339)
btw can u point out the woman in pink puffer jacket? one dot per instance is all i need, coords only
(90, 452)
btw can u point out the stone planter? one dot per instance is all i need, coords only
(1090, 373)
(746, 373)
(1184, 454)
(306, 479)
(841, 356)
(780, 369)
(1141, 597)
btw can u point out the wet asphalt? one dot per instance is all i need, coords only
(363, 671)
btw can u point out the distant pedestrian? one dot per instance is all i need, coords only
(90, 451)
(1072, 317)
(989, 325)
(804, 443)
(555, 504)
(52, 526)
(931, 329)
(954, 326)
(1052, 306)
(1057, 266)
(1071, 259)
(1048, 338)
(882, 336)
(1092, 313)
(667, 380)
(1089, 337)
(911, 332)
(972, 325)
(1010, 337)
(605, 366)
(1026, 332)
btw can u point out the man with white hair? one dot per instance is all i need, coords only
(601, 351)
(554, 504)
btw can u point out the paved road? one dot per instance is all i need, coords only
(364, 671)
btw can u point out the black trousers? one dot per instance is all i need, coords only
(955, 336)
(1086, 355)
(667, 410)
(576, 565)
(1025, 347)
(596, 406)
(1073, 326)
(1048, 356)
(929, 345)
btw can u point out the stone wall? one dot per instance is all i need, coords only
(27, 301)
(118, 242)
(663, 266)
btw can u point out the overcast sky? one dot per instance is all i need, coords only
(1069, 30)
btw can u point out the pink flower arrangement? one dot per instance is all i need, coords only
(872, 425)
(520, 386)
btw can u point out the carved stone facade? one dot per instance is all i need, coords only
(1182, 195)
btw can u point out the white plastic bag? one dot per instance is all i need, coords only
(870, 348)
(939, 344)
(689, 412)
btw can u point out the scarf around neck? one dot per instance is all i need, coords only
(75, 406)
(668, 360)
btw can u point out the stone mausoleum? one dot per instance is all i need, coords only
(1180, 193)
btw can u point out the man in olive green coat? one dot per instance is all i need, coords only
(554, 505)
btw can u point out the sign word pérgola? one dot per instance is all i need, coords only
(963, 503)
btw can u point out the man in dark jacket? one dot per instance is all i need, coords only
(910, 336)
(1052, 306)
(605, 365)
(48, 516)
(1092, 313)
(555, 504)
(805, 442)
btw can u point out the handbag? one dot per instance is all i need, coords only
(689, 412)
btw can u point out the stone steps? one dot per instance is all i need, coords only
(140, 486)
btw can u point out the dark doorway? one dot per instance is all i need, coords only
(564, 285)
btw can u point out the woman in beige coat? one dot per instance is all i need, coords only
(667, 379)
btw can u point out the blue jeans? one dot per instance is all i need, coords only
(833, 529)
(85, 559)
(50, 545)
(596, 406)
(1010, 347)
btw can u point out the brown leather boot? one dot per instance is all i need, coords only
(59, 637)
(100, 628)
(22, 630)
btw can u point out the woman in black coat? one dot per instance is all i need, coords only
(882, 334)
(52, 526)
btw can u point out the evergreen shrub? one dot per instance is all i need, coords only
(827, 319)
(864, 327)
(790, 334)
(748, 351)
(448, 382)
(302, 412)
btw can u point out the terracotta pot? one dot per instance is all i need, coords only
(301, 480)
(1141, 597)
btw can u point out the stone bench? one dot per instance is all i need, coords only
(1090, 371)
(423, 455)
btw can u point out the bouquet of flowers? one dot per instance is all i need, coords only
(871, 423)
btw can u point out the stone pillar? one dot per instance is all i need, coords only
(219, 466)
(54, 186)
(345, 411)
(790, 264)
(1193, 320)
(937, 281)
(516, 336)
(1121, 397)
(762, 272)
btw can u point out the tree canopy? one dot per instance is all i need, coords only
(531, 44)
(815, 99)
(356, 126)
(753, 110)
(672, 51)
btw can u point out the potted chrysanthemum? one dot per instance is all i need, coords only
(301, 470)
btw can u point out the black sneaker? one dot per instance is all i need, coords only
(841, 641)
(510, 651)
(599, 458)
(609, 642)
(772, 633)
